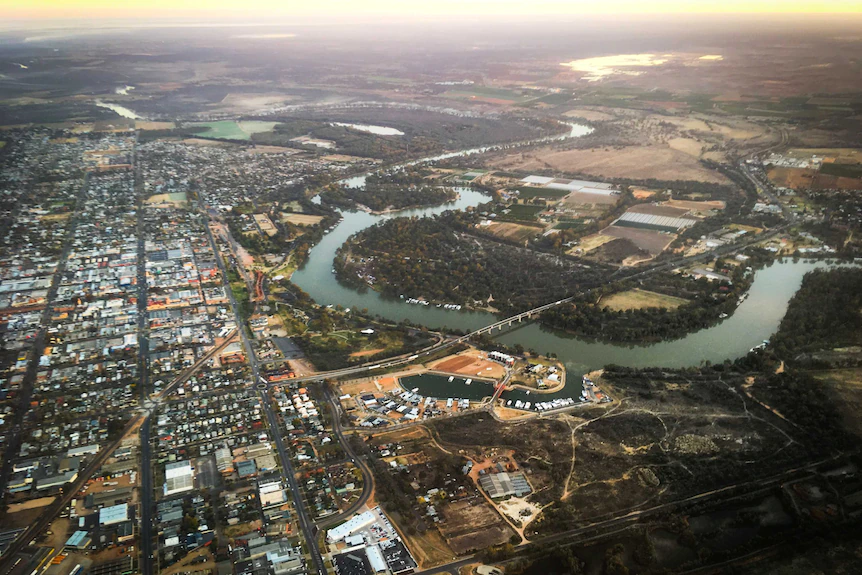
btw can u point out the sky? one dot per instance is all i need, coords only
(248, 10)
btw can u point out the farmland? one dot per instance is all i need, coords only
(513, 231)
(521, 212)
(642, 162)
(234, 130)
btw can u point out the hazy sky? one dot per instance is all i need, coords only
(248, 10)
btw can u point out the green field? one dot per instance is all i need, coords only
(233, 130)
(569, 225)
(520, 212)
(842, 170)
(528, 192)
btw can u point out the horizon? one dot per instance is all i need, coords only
(227, 11)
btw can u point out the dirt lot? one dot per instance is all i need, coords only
(641, 299)
(511, 231)
(791, 177)
(473, 525)
(301, 219)
(31, 504)
(470, 362)
(184, 565)
(589, 200)
(655, 161)
(589, 243)
(658, 210)
(354, 388)
(697, 207)
(652, 241)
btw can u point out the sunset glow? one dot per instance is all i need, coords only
(226, 9)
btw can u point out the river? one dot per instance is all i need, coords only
(755, 320)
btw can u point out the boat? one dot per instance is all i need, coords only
(451, 377)
(468, 382)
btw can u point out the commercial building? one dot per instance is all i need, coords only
(179, 477)
(355, 524)
(504, 484)
(114, 514)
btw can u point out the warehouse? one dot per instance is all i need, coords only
(505, 484)
(179, 477)
(348, 528)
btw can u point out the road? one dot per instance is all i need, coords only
(147, 501)
(367, 476)
(14, 440)
(146, 471)
(287, 471)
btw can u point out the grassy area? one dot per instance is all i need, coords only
(842, 170)
(243, 301)
(641, 299)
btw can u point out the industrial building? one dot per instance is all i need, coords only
(504, 484)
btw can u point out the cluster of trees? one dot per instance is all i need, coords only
(707, 300)
(824, 314)
(349, 141)
(396, 190)
(427, 257)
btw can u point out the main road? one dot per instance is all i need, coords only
(287, 472)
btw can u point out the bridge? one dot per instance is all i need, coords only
(408, 358)
(504, 323)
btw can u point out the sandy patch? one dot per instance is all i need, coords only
(301, 219)
(145, 125)
(641, 299)
(519, 509)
